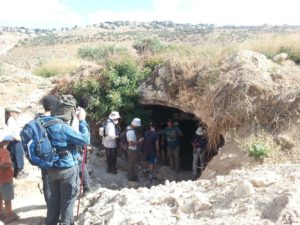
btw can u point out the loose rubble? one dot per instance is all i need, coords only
(264, 195)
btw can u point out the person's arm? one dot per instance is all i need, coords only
(78, 138)
(83, 136)
(5, 160)
(111, 131)
(130, 138)
(14, 129)
(179, 133)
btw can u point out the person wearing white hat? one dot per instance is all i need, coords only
(110, 136)
(15, 146)
(199, 143)
(133, 144)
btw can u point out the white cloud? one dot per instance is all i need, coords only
(37, 13)
(221, 12)
(55, 13)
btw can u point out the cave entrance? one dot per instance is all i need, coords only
(188, 124)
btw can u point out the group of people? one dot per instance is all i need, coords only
(155, 143)
(67, 130)
(61, 182)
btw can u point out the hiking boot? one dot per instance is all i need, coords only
(10, 218)
(114, 170)
(86, 190)
(135, 179)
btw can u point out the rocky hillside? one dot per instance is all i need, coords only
(265, 195)
(247, 98)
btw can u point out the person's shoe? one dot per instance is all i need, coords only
(21, 175)
(10, 218)
(86, 190)
(2, 215)
(109, 171)
(135, 179)
(115, 171)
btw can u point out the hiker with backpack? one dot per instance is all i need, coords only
(48, 102)
(15, 146)
(110, 134)
(199, 143)
(133, 144)
(51, 144)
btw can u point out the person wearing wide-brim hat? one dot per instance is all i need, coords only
(133, 144)
(110, 136)
(15, 146)
(199, 143)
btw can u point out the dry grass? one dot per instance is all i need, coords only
(192, 58)
(56, 67)
(273, 44)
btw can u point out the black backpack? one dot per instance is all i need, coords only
(123, 139)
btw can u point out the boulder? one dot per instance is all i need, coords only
(285, 141)
(280, 57)
(244, 189)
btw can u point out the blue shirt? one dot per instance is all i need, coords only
(63, 137)
(150, 139)
(172, 136)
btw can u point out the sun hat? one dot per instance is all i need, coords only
(13, 109)
(136, 122)
(114, 115)
(199, 131)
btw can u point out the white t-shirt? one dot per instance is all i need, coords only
(13, 128)
(109, 140)
(131, 136)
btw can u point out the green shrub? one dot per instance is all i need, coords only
(259, 150)
(45, 72)
(101, 53)
(116, 88)
(151, 45)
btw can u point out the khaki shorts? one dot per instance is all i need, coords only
(7, 191)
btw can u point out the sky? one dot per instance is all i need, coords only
(66, 13)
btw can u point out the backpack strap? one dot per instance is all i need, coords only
(51, 122)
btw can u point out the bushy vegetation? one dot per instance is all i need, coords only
(259, 150)
(102, 53)
(56, 67)
(114, 89)
(149, 45)
(273, 45)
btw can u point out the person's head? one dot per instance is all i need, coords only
(136, 122)
(152, 125)
(49, 102)
(65, 108)
(114, 116)
(84, 102)
(199, 131)
(12, 111)
(170, 123)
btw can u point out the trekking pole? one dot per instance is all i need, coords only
(81, 179)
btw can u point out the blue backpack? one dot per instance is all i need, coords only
(36, 144)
